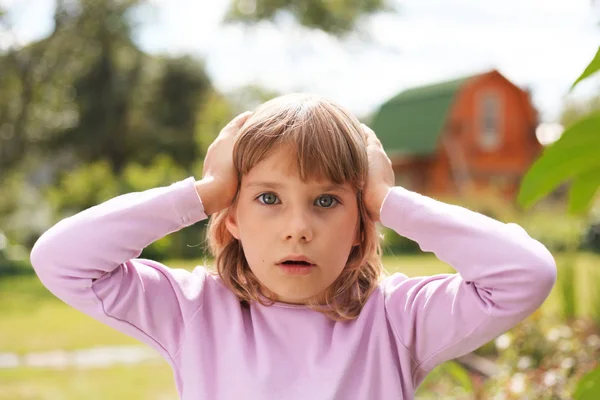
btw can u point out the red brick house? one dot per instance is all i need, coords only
(471, 133)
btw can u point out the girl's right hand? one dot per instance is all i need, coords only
(219, 177)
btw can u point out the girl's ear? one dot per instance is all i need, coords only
(231, 224)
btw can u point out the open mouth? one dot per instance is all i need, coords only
(292, 267)
(297, 263)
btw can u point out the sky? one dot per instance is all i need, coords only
(543, 45)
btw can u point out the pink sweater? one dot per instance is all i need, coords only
(219, 350)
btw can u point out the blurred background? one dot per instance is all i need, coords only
(103, 97)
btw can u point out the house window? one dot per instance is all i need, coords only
(490, 121)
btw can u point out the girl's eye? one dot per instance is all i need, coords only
(268, 198)
(327, 201)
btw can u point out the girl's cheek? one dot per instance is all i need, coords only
(262, 212)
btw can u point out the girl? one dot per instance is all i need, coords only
(299, 307)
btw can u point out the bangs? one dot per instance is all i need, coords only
(324, 141)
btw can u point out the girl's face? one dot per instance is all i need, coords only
(279, 217)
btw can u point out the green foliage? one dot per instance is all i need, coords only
(543, 359)
(394, 244)
(179, 93)
(339, 17)
(574, 157)
(589, 386)
(559, 232)
(13, 258)
(591, 69)
(213, 114)
(449, 378)
(82, 188)
(94, 183)
(162, 172)
(566, 286)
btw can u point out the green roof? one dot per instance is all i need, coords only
(412, 121)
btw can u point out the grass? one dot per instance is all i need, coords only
(34, 320)
(148, 381)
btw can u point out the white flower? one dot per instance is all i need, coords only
(567, 363)
(524, 362)
(565, 331)
(593, 341)
(565, 347)
(553, 335)
(550, 378)
(503, 341)
(517, 383)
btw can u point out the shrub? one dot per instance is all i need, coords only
(543, 359)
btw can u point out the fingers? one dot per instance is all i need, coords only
(235, 124)
(240, 119)
(370, 135)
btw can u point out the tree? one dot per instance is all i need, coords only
(338, 18)
(104, 92)
(178, 96)
(129, 105)
(28, 83)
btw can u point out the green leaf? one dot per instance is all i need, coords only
(588, 387)
(574, 154)
(593, 67)
(460, 376)
(583, 190)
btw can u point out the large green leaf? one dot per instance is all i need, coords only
(593, 67)
(583, 190)
(577, 152)
(588, 387)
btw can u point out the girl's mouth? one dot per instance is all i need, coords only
(296, 267)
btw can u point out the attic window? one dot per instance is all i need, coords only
(490, 121)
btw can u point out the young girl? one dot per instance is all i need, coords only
(299, 307)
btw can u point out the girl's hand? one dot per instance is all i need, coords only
(219, 178)
(381, 175)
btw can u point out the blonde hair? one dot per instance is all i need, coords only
(329, 144)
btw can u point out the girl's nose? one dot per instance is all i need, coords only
(298, 227)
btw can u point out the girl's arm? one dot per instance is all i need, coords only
(503, 276)
(89, 261)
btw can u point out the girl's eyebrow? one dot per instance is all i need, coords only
(277, 185)
(273, 185)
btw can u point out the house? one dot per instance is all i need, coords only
(454, 137)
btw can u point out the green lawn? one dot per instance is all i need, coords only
(33, 320)
(148, 381)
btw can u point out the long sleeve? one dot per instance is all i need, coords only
(89, 261)
(503, 276)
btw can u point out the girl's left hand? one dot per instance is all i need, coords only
(381, 175)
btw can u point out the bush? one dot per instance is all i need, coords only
(544, 359)
(14, 259)
(394, 244)
(591, 240)
(95, 183)
(557, 231)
